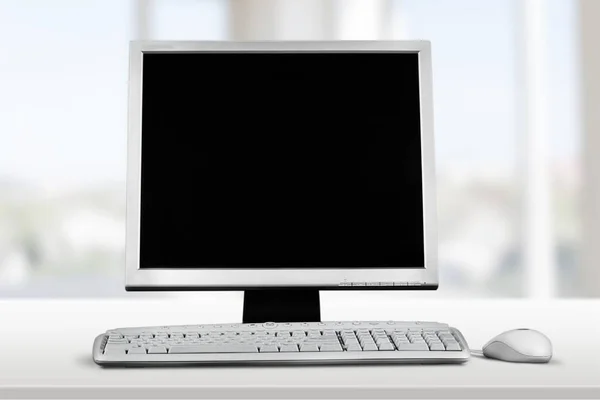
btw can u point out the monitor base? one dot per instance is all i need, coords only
(291, 305)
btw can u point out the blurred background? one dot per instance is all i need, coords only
(515, 144)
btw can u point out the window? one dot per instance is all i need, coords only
(506, 89)
(507, 133)
(188, 20)
(475, 87)
(63, 117)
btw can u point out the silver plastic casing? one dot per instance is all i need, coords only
(260, 358)
(173, 278)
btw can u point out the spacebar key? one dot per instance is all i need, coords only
(209, 348)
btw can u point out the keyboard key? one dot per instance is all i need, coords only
(270, 348)
(137, 350)
(212, 348)
(114, 352)
(386, 347)
(115, 341)
(322, 341)
(330, 347)
(353, 347)
(437, 347)
(413, 347)
(370, 347)
(119, 346)
(309, 348)
(289, 348)
(452, 346)
(157, 350)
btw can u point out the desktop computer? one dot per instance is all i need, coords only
(281, 169)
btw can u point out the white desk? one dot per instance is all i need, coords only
(45, 351)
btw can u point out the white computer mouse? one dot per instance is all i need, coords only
(520, 345)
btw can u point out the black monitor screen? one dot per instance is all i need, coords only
(281, 160)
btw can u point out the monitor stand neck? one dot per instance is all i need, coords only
(291, 305)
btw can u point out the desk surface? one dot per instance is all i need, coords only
(45, 351)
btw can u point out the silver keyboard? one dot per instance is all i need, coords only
(268, 343)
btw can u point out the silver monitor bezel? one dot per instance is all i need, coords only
(425, 277)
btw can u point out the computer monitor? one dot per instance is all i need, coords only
(281, 169)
